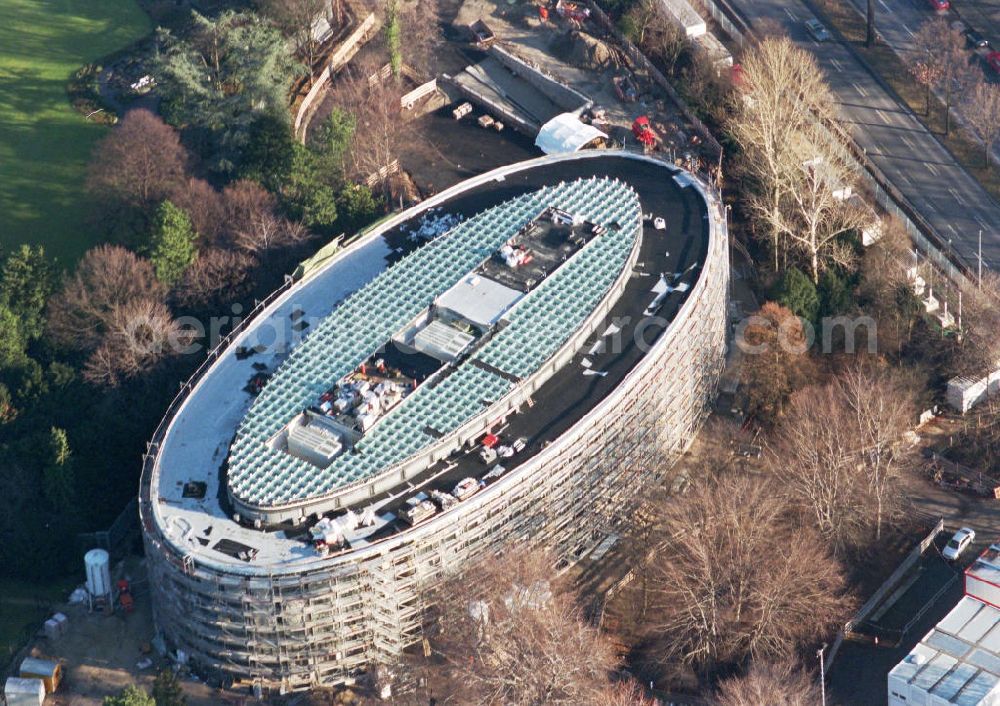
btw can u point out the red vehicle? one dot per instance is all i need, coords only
(940, 5)
(643, 132)
(993, 59)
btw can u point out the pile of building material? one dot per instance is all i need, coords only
(589, 52)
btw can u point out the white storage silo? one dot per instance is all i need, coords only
(98, 573)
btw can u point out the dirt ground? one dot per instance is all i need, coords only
(99, 652)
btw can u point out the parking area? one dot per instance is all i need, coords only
(923, 597)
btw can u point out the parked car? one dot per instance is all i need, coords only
(817, 30)
(993, 60)
(975, 39)
(957, 544)
(940, 5)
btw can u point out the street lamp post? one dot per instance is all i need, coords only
(822, 673)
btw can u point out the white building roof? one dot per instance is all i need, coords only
(986, 567)
(957, 661)
(565, 133)
(479, 299)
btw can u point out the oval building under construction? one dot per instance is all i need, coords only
(509, 363)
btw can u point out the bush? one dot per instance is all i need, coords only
(796, 292)
(835, 295)
(85, 97)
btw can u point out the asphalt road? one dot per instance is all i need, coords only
(924, 171)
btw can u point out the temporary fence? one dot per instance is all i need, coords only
(636, 56)
(362, 33)
(912, 558)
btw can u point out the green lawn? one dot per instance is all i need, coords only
(44, 143)
(23, 606)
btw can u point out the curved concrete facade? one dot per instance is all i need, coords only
(319, 621)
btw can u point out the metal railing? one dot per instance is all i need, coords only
(894, 579)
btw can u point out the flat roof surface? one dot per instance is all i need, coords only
(262, 475)
(198, 438)
(479, 299)
(956, 660)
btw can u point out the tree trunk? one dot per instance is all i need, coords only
(870, 38)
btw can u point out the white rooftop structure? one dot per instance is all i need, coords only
(957, 662)
(685, 16)
(566, 133)
(479, 299)
(982, 578)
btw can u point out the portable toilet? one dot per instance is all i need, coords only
(49, 671)
(19, 691)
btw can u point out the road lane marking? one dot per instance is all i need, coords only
(932, 169)
(859, 89)
(836, 64)
(885, 118)
(791, 15)
(884, 6)
(908, 30)
(906, 141)
(957, 196)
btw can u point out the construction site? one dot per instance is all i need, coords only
(508, 364)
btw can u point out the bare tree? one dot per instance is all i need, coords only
(652, 30)
(839, 450)
(885, 291)
(927, 73)
(883, 407)
(135, 167)
(253, 223)
(422, 35)
(735, 576)
(296, 19)
(814, 213)
(142, 332)
(782, 94)
(107, 279)
(204, 206)
(946, 60)
(217, 274)
(977, 349)
(509, 632)
(379, 127)
(770, 685)
(982, 109)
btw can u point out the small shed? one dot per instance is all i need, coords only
(49, 671)
(19, 691)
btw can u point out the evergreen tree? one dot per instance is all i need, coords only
(26, 281)
(12, 341)
(331, 143)
(58, 476)
(270, 153)
(834, 294)
(392, 37)
(167, 690)
(306, 196)
(131, 695)
(797, 292)
(357, 206)
(172, 243)
(228, 71)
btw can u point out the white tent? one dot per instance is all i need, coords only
(565, 133)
